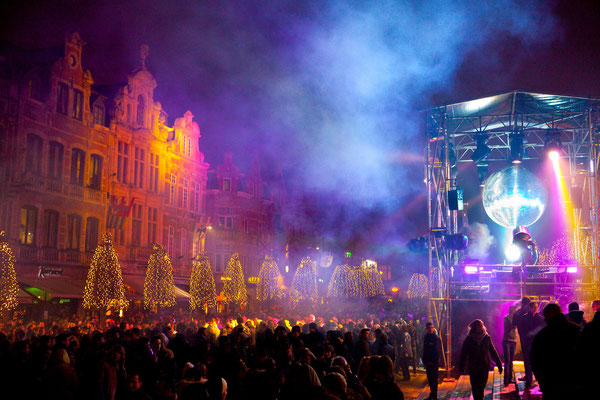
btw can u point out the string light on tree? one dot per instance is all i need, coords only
(304, 284)
(9, 286)
(269, 281)
(359, 281)
(159, 290)
(202, 284)
(418, 287)
(234, 284)
(104, 288)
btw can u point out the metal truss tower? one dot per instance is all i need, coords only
(452, 134)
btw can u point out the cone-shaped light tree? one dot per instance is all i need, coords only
(104, 284)
(234, 284)
(159, 290)
(9, 287)
(304, 284)
(202, 284)
(340, 282)
(269, 281)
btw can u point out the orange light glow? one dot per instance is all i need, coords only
(395, 289)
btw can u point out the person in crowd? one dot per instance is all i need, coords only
(528, 325)
(135, 390)
(509, 344)
(379, 378)
(362, 346)
(575, 315)
(553, 356)
(405, 354)
(475, 354)
(588, 355)
(432, 355)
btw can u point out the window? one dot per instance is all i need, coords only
(140, 111)
(187, 146)
(73, 231)
(28, 223)
(34, 88)
(77, 105)
(151, 225)
(226, 222)
(55, 160)
(95, 171)
(91, 233)
(195, 199)
(34, 154)
(154, 172)
(122, 161)
(136, 225)
(50, 229)
(226, 185)
(99, 118)
(62, 105)
(260, 229)
(120, 236)
(138, 168)
(184, 243)
(171, 242)
(77, 165)
(245, 226)
(172, 189)
(185, 193)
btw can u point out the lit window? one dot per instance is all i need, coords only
(28, 224)
(77, 105)
(226, 185)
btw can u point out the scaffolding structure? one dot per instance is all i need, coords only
(453, 132)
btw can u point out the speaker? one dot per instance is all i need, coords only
(455, 199)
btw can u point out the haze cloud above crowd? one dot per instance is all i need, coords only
(330, 91)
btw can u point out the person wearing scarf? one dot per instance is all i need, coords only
(475, 354)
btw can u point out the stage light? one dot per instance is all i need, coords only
(395, 289)
(516, 148)
(553, 155)
(482, 173)
(482, 150)
(456, 242)
(512, 253)
(571, 270)
(470, 269)
(552, 142)
(522, 239)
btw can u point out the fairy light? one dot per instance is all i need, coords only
(269, 281)
(360, 281)
(9, 286)
(304, 284)
(104, 289)
(418, 287)
(234, 284)
(202, 284)
(159, 290)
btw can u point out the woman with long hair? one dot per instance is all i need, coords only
(475, 353)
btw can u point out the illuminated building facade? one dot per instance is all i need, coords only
(70, 151)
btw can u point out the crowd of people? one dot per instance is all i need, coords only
(349, 357)
(562, 351)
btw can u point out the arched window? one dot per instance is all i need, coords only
(77, 166)
(55, 160)
(140, 111)
(91, 234)
(28, 225)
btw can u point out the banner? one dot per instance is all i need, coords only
(117, 212)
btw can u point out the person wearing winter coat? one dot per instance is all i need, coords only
(432, 354)
(475, 354)
(553, 356)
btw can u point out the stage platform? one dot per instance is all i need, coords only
(460, 389)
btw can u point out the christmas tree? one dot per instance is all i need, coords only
(159, 290)
(269, 281)
(304, 284)
(340, 283)
(8, 277)
(234, 284)
(104, 285)
(202, 284)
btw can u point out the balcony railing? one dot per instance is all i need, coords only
(51, 255)
(56, 186)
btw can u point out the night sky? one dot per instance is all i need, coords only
(328, 91)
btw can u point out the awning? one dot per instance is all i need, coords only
(47, 288)
(134, 288)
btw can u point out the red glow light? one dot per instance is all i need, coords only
(395, 289)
